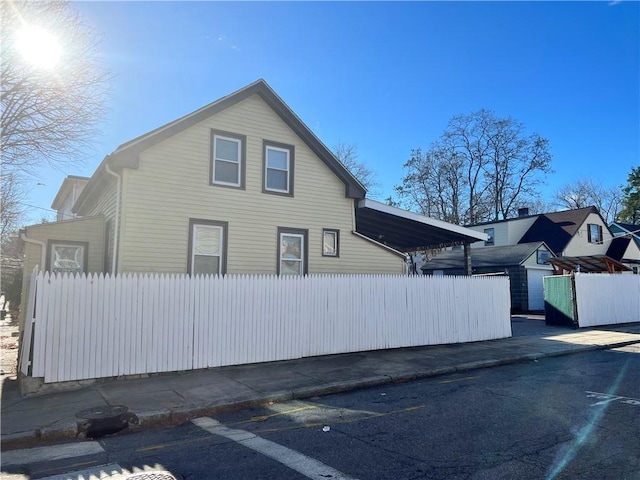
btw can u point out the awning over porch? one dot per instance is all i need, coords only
(587, 264)
(408, 231)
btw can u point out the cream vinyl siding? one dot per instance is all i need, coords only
(172, 185)
(579, 245)
(87, 229)
(106, 207)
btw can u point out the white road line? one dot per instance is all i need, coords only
(54, 452)
(307, 466)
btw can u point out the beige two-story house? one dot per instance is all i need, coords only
(240, 186)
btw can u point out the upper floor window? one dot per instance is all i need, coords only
(207, 247)
(227, 159)
(278, 168)
(490, 232)
(594, 233)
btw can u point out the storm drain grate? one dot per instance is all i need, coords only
(105, 420)
(151, 476)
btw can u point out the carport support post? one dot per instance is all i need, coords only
(467, 258)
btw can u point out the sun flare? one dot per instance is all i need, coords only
(38, 47)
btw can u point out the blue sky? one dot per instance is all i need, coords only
(385, 77)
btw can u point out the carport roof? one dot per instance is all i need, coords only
(587, 264)
(408, 231)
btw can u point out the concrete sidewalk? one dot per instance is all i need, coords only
(173, 398)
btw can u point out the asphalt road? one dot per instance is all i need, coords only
(568, 417)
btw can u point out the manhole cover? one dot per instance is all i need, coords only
(102, 412)
(105, 420)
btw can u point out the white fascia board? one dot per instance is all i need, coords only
(416, 217)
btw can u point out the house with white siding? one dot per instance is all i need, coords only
(240, 186)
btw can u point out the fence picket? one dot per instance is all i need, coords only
(94, 326)
(605, 299)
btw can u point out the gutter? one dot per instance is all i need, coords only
(43, 249)
(116, 229)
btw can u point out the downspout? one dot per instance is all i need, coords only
(116, 228)
(43, 249)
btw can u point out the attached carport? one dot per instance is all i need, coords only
(407, 231)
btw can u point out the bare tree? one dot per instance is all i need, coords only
(12, 208)
(348, 156)
(587, 192)
(434, 184)
(48, 115)
(515, 167)
(481, 168)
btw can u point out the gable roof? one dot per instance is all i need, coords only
(617, 247)
(127, 155)
(65, 189)
(558, 228)
(627, 230)
(505, 256)
(630, 227)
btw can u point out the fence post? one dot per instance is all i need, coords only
(27, 335)
(574, 301)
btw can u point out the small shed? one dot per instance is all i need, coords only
(526, 264)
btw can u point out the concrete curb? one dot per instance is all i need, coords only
(178, 415)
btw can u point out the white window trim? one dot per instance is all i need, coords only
(217, 136)
(336, 242)
(267, 168)
(52, 250)
(302, 250)
(220, 229)
(491, 240)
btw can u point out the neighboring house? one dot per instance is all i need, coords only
(576, 234)
(578, 239)
(240, 186)
(626, 230)
(66, 197)
(525, 264)
(624, 233)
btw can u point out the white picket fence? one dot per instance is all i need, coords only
(605, 299)
(101, 326)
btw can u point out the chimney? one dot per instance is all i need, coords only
(523, 212)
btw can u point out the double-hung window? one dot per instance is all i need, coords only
(594, 233)
(207, 247)
(292, 251)
(278, 168)
(227, 159)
